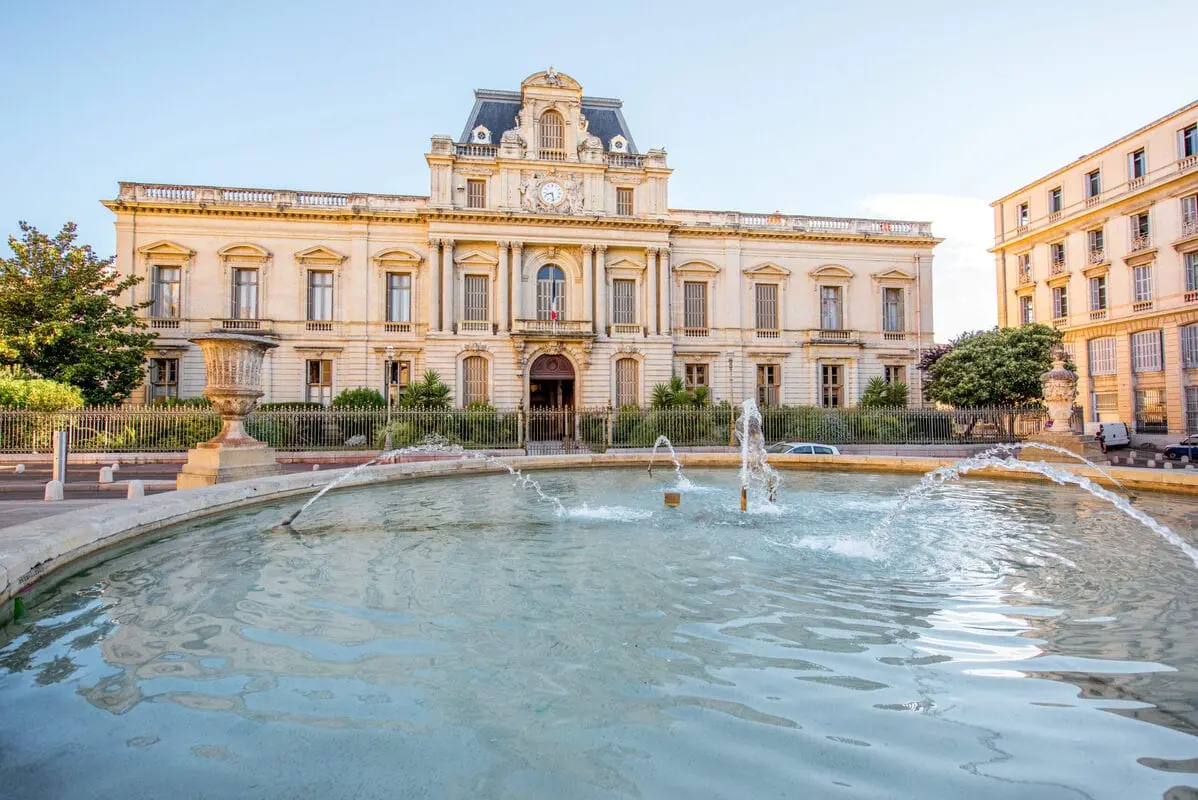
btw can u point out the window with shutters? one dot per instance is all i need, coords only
(1137, 165)
(1192, 409)
(1187, 142)
(623, 301)
(319, 384)
(1102, 356)
(694, 313)
(165, 293)
(245, 294)
(696, 376)
(624, 201)
(1098, 293)
(1189, 346)
(1096, 245)
(1021, 214)
(164, 379)
(831, 314)
(1104, 403)
(831, 386)
(551, 137)
(551, 293)
(1146, 352)
(769, 384)
(892, 310)
(1027, 310)
(399, 297)
(1191, 273)
(474, 380)
(1189, 215)
(1151, 416)
(766, 309)
(626, 382)
(475, 306)
(476, 193)
(320, 295)
(1060, 302)
(1093, 184)
(1054, 200)
(1141, 284)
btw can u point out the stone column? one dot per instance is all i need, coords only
(600, 289)
(448, 301)
(504, 289)
(517, 280)
(651, 289)
(588, 292)
(434, 286)
(667, 290)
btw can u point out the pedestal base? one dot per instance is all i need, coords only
(208, 465)
(1084, 446)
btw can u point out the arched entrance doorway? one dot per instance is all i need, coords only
(550, 400)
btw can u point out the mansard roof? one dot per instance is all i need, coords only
(496, 111)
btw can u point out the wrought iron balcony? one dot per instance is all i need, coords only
(1057, 266)
(1141, 242)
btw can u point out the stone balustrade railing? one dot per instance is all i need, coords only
(204, 196)
(806, 224)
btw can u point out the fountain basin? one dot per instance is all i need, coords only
(457, 637)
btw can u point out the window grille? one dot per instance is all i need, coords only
(474, 379)
(475, 300)
(624, 201)
(623, 297)
(766, 295)
(1146, 351)
(476, 193)
(626, 382)
(551, 138)
(694, 298)
(1102, 356)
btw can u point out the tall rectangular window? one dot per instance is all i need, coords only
(474, 381)
(1102, 356)
(1027, 311)
(319, 381)
(696, 376)
(892, 310)
(245, 294)
(320, 296)
(1021, 214)
(398, 376)
(626, 382)
(624, 201)
(1192, 409)
(476, 193)
(894, 373)
(1192, 272)
(1187, 141)
(164, 379)
(1189, 346)
(1024, 262)
(1098, 293)
(165, 293)
(399, 297)
(1139, 230)
(1151, 416)
(1137, 165)
(694, 312)
(1060, 302)
(475, 305)
(1141, 283)
(1056, 256)
(1146, 352)
(1054, 200)
(1096, 244)
(1189, 214)
(623, 301)
(769, 384)
(766, 307)
(1093, 183)
(831, 386)
(831, 314)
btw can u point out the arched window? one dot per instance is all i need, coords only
(551, 292)
(551, 137)
(474, 380)
(626, 382)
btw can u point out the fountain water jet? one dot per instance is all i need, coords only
(754, 467)
(683, 481)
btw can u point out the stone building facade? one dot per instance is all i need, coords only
(544, 267)
(1106, 249)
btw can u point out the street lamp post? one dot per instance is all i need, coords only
(388, 385)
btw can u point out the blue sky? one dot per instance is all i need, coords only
(924, 110)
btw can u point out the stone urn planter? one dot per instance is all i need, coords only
(233, 362)
(1059, 386)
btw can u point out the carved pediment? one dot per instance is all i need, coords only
(398, 256)
(895, 274)
(698, 266)
(625, 263)
(551, 77)
(164, 251)
(244, 251)
(834, 271)
(476, 258)
(319, 254)
(767, 269)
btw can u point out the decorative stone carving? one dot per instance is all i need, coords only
(1060, 390)
(531, 198)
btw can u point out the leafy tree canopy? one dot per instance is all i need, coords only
(60, 317)
(880, 394)
(674, 394)
(999, 367)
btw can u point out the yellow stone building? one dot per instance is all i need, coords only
(545, 267)
(1106, 249)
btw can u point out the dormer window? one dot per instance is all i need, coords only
(551, 137)
(480, 135)
(619, 144)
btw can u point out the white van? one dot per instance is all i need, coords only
(1112, 434)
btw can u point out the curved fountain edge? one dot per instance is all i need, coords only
(34, 550)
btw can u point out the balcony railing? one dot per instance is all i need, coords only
(894, 336)
(1025, 276)
(1135, 183)
(241, 324)
(694, 333)
(1060, 322)
(1093, 200)
(1191, 296)
(1139, 243)
(1097, 256)
(552, 155)
(272, 198)
(1140, 306)
(169, 324)
(553, 327)
(766, 333)
(475, 326)
(1189, 227)
(1189, 162)
(805, 224)
(626, 329)
(1057, 266)
(318, 326)
(1097, 314)
(625, 160)
(397, 327)
(470, 150)
(832, 335)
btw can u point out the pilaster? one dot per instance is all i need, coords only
(600, 289)
(504, 290)
(447, 279)
(434, 286)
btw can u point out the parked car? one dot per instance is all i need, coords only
(1112, 434)
(1187, 447)
(803, 449)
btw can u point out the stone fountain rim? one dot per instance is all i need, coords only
(233, 337)
(42, 549)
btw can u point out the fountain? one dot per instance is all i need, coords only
(233, 362)
(1060, 389)
(755, 471)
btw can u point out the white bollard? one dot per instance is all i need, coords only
(105, 474)
(137, 490)
(116, 466)
(1168, 465)
(20, 468)
(53, 491)
(315, 467)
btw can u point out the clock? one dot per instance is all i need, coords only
(551, 193)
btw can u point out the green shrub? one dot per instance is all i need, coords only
(186, 402)
(880, 394)
(37, 394)
(429, 392)
(361, 397)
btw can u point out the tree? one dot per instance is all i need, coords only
(880, 394)
(999, 367)
(674, 394)
(427, 393)
(60, 317)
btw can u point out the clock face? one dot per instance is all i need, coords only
(551, 193)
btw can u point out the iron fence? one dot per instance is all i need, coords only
(538, 430)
